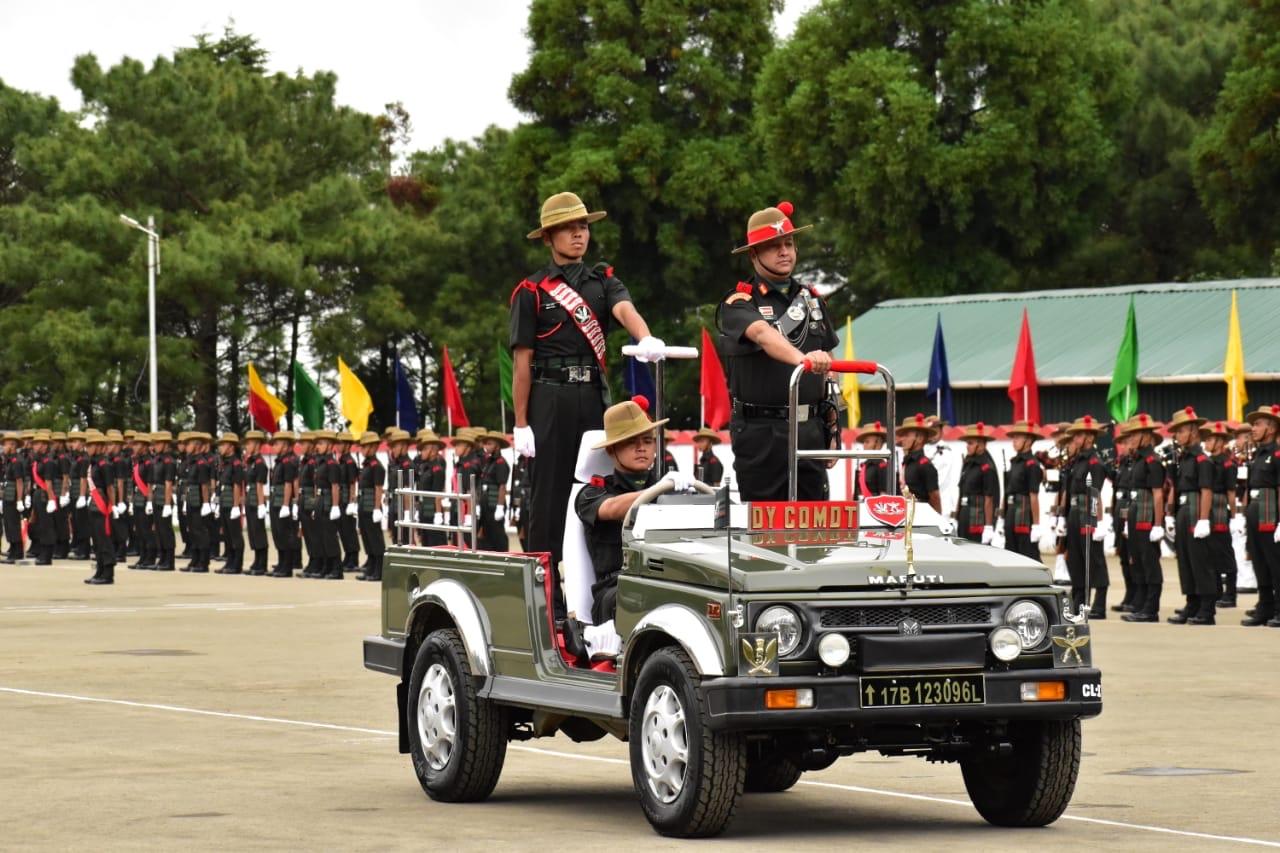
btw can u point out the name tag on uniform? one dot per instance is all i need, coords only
(766, 311)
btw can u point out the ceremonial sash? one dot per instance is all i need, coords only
(582, 315)
(101, 503)
(137, 481)
(41, 483)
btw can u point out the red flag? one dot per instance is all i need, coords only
(1024, 388)
(716, 408)
(452, 396)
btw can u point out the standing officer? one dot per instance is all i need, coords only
(1190, 528)
(197, 484)
(102, 501)
(372, 478)
(1021, 518)
(560, 319)
(62, 516)
(430, 477)
(122, 469)
(306, 502)
(521, 489)
(12, 497)
(1143, 531)
(873, 474)
(494, 472)
(348, 473)
(463, 446)
(979, 487)
(284, 520)
(1214, 436)
(164, 496)
(1261, 515)
(707, 467)
(256, 500)
(142, 512)
(1078, 518)
(918, 474)
(231, 485)
(328, 509)
(399, 475)
(1121, 500)
(770, 324)
(44, 499)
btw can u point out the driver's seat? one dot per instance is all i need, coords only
(578, 572)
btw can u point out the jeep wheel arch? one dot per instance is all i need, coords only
(446, 603)
(673, 625)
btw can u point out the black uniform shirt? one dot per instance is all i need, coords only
(542, 324)
(1224, 472)
(709, 469)
(101, 475)
(1124, 478)
(1264, 473)
(371, 475)
(919, 475)
(145, 462)
(285, 470)
(327, 473)
(494, 471)
(978, 477)
(1086, 471)
(604, 538)
(1146, 472)
(230, 474)
(1195, 472)
(348, 473)
(1024, 475)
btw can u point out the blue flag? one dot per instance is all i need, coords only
(406, 407)
(637, 379)
(939, 390)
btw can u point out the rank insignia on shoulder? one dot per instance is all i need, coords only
(737, 297)
(598, 482)
(743, 287)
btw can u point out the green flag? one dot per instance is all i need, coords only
(307, 399)
(1122, 396)
(505, 371)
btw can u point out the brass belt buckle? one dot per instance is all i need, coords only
(579, 373)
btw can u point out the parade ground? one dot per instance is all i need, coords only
(200, 712)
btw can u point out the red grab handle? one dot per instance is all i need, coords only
(845, 366)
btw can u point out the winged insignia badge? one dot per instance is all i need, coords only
(760, 657)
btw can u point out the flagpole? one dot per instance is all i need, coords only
(502, 404)
(937, 406)
(702, 410)
(1026, 415)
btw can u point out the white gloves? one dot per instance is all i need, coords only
(121, 509)
(51, 507)
(284, 512)
(499, 512)
(166, 510)
(1060, 527)
(445, 503)
(1000, 525)
(1102, 529)
(466, 520)
(438, 518)
(523, 436)
(1275, 537)
(1202, 529)
(650, 349)
(1037, 533)
(262, 511)
(946, 526)
(82, 502)
(680, 481)
(998, 541)
(1170, 527)
(335, 513)
(294, 512)
(148, 508)
(1236, 524)
(234, 514)
(26, 502)
(64, 500)
(988, 533)
(377, 516)
(352, 509)
(1156, 533)
(206, 508)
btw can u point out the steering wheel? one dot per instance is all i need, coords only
(659, 488)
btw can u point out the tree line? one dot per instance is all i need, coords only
(939, 147)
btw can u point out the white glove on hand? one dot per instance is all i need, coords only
(1036, 534)
(352, 509)
(234, 514)
(499, 512)
(523, 436)
(1060, 527)
(148, 508)
(51, 507)
(445, 503)
(121, 509)
(377, 516)
(946, 526)
(650, 349)
(1099, 532)
(1202, 529)
(1170, 527)
(129, 509)
(1236, 525)
(997, 541)
(284, 512)
(680, 481)
(206, 508)
(466, 520)
(1061, 574)
(988, 533)
(82, 502)
(166, 510)
(1156, 533)
(1000, 525)
(64, 500)
(26, 502)
(262, 511)
(1275, 537)
(438, 518)
(335, 513)
(294, 512)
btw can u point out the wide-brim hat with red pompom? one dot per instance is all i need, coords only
(1222, 428)
(625, 420)
(1022, 428)
(1141, 422)
(1186, 415)
(1088, 423)
(1272, 412)
(873, 428)
(978, 432)
(914, 422)
(772, 223)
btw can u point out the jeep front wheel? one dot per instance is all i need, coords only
(687, 776)
(1032, 784)
(457, 740)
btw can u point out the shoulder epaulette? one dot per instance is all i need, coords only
(598, 482)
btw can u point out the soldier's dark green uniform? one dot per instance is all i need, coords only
(284, 526)
(493, 472)
(144, 514)
(198, 487)
(371, 482)
(12, 494)
(230, 499)
(164, 496)
(256, 507)
(1143, 528)
(1083, 478)
(348, 474)
(1021, 483)
(102, 484)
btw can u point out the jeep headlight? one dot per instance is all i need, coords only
(784, 622)
(1029, 620)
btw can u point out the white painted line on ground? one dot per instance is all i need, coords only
(553, 753)
(213, 607)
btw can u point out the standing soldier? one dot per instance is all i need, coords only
(44, 499)
(348, 474)
(164, 498)
(1242, 451)
(430, 477)
(199, 487)
(873, 474)
(399, 475)
(1190, 528)
(181, 461)
(80, 535)
(328, 508)
(668, 460)
(979, 487)
(62, 517)
(231, 485)
(1121, 500)
(1143, 531)
(372, 478)
(559, 322)
(102, 502)
(257, 502)
(1078, 517)
(918, 474)
(1261, 516)
(770, 324)
(1021, 518)
(520, 491)
(463, 446)
(12, 498)
(306, 502)
(707, 467)
(284, 521)
(493, 474)
(1222, 511)
(143, 513)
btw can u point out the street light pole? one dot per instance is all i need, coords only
(153, 267)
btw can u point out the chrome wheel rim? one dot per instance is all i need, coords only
(437, 717)
(664, 744)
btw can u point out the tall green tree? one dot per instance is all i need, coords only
(948, 147)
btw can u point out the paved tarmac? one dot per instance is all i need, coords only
(203, 712)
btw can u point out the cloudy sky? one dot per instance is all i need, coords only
(449, 62)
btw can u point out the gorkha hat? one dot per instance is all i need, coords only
(115, 435)
(1186, 416)
(162, 435)
(708, 433)
(979, 432)
(129, 434)
(229, 438)
(307, 435)
(324, 435)
(97, 438)
(1212, 428)
(626, 420)
(501, 438)
(770, 224)
(398, 435)
(344, 436)
(1141, 422)
(255, 435)
(1022, 428)
(428, 436)
(58, 436)
(465, 435)
(370, 437)
(560, 209)
(1272, 412)
(284, 435)
(873, 428)
(1088, 423)
(914, 422)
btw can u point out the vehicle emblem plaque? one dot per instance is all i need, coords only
(909, 627)
(1071, 646)
(889, 510)
(760, 653)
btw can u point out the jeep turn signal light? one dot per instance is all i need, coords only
(779, 700)
(1043, 691)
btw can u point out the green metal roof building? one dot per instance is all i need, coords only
(1182, 341)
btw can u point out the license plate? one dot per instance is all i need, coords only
(901, 691)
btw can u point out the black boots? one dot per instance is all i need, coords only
(335, 569)
(1264, 613)
(373, 570)
(1099, 609)
(164, 561)
(1149, 608)
(259, 565)
(106, 574)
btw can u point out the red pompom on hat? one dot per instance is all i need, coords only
(642, 401)
(786, 207)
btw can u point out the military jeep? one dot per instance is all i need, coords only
(759, 641)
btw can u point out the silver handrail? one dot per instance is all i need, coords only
(463, 498)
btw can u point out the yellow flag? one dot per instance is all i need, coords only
(357, 405)
(265, 407)
(849, 381)
(1233, 366)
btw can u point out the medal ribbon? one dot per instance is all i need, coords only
(589, 325)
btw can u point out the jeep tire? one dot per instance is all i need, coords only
(457, 741)
(688, 777)
(1032, 785)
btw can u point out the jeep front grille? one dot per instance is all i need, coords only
(888, 616)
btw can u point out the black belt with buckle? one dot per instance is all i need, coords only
(570, 374)
(776, 413)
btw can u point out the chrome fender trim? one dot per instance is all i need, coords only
(689, 629)
(456, 600)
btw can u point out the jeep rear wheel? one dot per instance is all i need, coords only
(687, 776)
(457, 740)
(1032, 784)
(770, 773)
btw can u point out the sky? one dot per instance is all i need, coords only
(450, 63)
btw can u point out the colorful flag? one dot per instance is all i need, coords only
(939, 389)
(849, 381)
(452, 396)
(505, 373)
(716, 408)
(357, 405)
(1024, 388)
(637, 379)
(307, 399)
(1233, 366)
(1122, 396)
(406, 405)
(264, 407)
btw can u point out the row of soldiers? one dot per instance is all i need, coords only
(1213, 480)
